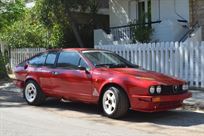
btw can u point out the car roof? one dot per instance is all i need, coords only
(76, 49)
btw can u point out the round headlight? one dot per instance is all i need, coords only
(185, 87)
(152, 90)
(159, 89)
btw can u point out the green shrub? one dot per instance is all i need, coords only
(142, 30)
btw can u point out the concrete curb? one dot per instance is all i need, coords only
(196, 102)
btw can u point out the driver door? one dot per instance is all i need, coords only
(69, 80)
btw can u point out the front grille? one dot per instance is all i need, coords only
(172, 90)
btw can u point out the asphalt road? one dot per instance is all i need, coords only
(75, 119)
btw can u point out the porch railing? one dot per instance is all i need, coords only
(191, 30)
(126, 32)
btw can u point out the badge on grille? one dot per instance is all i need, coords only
(176, 88)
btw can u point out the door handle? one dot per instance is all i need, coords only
(55, 73)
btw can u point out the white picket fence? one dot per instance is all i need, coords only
(182, 60)
(20, 54)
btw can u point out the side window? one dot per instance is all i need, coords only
(50, 60)
(38, 60)
(69, 60)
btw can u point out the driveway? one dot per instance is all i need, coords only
(56, 118)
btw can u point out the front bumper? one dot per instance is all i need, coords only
(158, 103)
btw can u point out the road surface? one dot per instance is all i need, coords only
(75, 119)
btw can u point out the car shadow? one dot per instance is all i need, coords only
(176, 118)
(179, 117)
(169, 118)
(73, 106)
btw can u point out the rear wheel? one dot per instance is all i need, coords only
(115, 102)
(33, 94)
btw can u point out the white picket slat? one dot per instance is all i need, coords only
(191, 64)
(202, 64)
(197, 62)
(176, 60)
(162, 63)
(171, 61)
(181, 60)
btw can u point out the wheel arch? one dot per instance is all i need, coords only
(103, 89)
(30, 78)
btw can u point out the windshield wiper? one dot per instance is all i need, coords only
(112, 65)
(103, 65)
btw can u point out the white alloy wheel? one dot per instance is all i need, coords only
(30, 92)
(109, 102)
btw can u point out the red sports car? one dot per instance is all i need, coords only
(100, 77)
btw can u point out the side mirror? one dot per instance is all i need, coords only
(83, 69)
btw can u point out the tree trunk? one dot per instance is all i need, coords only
(74, 28)
(3, 73)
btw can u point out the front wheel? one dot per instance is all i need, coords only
(33, 94)
(115, 102)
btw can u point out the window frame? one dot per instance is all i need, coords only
(80, 59)
(54, 65)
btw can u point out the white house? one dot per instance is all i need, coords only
(172, 20)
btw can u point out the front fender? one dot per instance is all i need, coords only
(31, 78)
(115, 81)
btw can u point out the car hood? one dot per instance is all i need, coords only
(148, 75)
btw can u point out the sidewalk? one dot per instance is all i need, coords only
(196, 102)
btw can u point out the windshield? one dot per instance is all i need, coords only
(107, 59)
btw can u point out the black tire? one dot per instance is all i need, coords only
(121, 101)
(39, 98)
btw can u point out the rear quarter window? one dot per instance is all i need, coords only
(38, 60)
(51, 58)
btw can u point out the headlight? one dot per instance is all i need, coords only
(152, 90)
(159, 89)
(185, 87)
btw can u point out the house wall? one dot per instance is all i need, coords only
(168, 30)
(118, 10)
(169, 11)
(102, 38)
(197, 13)
(86, 25)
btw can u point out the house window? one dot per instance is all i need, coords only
(138, 10)
(141, 11)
